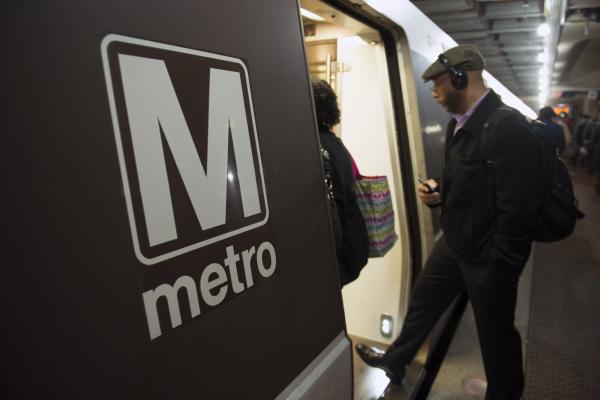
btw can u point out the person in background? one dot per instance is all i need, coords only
(594, 144)
(488, 227)
(580, 127)
(566, 125)
(553, 131)
(352, 244)
(587, 147)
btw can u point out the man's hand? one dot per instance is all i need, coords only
(427, 192)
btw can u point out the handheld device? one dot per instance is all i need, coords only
(429, 188)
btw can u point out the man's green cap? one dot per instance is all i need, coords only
(465, 57)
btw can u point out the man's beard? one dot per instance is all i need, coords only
(453, 101)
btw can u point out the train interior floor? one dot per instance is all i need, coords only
(557, 316)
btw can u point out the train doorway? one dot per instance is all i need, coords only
(351, 57)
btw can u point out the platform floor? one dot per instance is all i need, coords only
(563, 355)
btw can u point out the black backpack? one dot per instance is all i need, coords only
(559, 210)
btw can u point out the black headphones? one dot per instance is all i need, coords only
(458, 77)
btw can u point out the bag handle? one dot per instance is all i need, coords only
(357, 175)
(355, 170)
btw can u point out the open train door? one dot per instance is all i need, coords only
(164, 206)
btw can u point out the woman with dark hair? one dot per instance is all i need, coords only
(353, 244)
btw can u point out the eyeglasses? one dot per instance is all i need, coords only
(437, 83)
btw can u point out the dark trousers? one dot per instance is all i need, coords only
(492, 291)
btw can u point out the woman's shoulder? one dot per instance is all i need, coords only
(330, 141)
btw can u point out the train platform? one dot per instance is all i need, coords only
(557, 316)
(563, 350)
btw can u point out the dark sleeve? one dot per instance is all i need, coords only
(596, 150)
(519, 190)
(589, 131)
(579, 131)
(353, 254)
(596, 135)
(340, 195)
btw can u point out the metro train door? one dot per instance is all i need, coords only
(350, 56)
(166, 205)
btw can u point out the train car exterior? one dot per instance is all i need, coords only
(167, 200)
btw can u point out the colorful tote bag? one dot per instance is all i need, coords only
(375, 202)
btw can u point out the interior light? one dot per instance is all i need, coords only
(353, 41)
(431, 129)
(310, 15)
(544, 29)
(542, 57)
(386, 326)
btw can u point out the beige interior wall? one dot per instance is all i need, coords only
(367, 130)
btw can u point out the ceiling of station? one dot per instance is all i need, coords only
(506, 31)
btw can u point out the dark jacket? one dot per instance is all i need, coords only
(580, 130)
(353, 250)
(485, 221)
(554, 133)
(595, 146)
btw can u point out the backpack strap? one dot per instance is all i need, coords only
(487, 146)
(487, 135)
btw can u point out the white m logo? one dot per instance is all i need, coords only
(152, 104)
(156, 123)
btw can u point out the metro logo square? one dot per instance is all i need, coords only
(187, 145)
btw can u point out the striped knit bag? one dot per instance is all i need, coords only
(375, 203)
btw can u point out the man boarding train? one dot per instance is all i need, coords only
(489, 220)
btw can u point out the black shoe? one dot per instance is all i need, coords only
(393, 392)
(375, 357)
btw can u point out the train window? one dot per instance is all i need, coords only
(351, 57)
